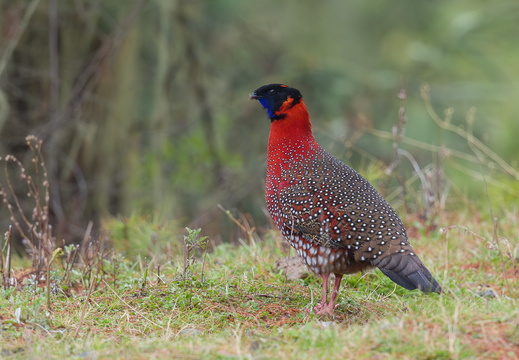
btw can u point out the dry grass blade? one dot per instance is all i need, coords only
(132, 307)
(85, 305)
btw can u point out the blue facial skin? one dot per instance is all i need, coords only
(267, 104)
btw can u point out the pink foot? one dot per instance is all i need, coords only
(327, 309)
(319, 307)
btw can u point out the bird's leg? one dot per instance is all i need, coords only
(328, 309)
(335, 292)
(323, 303)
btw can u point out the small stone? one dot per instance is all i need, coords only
(326, 324)
(293, 267)
(489, 292)
(90, 355)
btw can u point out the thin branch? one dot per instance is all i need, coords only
(446, 152)
(247, 229)
(471, 139)
(398, 131)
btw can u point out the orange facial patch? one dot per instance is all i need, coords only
(287, 104)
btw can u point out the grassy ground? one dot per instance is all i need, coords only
(235, 305)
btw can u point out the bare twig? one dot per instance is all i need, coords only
(398, 131)
(483, 150)
(7, 278)
(33, 225)
(15, 198)
(442, 150)
(244, 225)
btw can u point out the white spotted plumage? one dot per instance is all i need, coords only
(346, 213)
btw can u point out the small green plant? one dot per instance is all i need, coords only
(55, 254)
(70, 253)
(144, 283)
(193, 241)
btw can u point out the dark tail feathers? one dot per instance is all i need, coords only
(409, 272)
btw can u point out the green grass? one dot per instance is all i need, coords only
(239, 306)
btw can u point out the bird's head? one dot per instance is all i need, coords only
(277, 99)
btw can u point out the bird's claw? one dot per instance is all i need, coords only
(325, 309)
(319, 307)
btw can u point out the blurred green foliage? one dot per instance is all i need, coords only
(144, 236)
(143, 104)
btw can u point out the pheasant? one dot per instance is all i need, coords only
(334, 218)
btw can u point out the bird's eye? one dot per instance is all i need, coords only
(272, 92)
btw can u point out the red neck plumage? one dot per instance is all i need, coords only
(296, 124)
(290, 139)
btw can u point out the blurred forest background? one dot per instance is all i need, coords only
(143, 107)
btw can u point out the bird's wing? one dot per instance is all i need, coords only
(330, 212)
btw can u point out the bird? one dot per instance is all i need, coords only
(330, 214)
